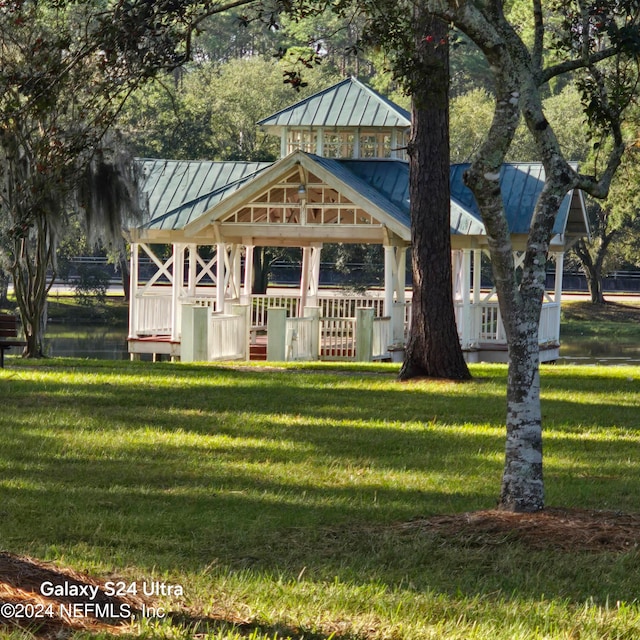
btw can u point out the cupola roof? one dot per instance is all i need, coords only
(344, 105)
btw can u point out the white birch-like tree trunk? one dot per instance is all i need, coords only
(520, 77)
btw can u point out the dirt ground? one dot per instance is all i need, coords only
(571, 530)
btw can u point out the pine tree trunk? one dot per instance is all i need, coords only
(433, 348)
(260, 271)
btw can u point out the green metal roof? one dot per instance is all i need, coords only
(521, 184)
(179, 191)
(391, 179)
(346, 171)
(347, 104)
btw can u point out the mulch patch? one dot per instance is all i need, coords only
(57, 616)
(553, 528)
(571, 530)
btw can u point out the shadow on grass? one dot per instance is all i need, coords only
(273, 473)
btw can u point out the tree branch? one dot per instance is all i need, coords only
(538, 43)
(573, 65)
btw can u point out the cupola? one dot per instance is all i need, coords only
(348, 120)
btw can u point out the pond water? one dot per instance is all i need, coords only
(577, 350)
(110, 343)
(102, 342)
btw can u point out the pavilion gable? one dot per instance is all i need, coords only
(303, 199)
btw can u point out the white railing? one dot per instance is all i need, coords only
(407, 319)
(549, 331)
(486, 323)
(490, 327)
(260, 305)
(345, 306)
(153, 315)
(381, 337)
(201, 301)
(301, 339)
(337, 338)
(227, 337)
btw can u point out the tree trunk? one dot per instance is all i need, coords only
(594, 283)
(433, 348)
(260, 271)
(4, 288)
(33, 258)
(125, 275)
(522, 481)
(592, 267)
(521, 76)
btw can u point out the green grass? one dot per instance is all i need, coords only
(611, 321)
(272, 495)
(64, 308)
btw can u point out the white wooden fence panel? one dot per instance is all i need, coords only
(491, 327)
(153, 316)
(300, 342)
(549, 323)
(345, 306)
(227, 337)
(381, 337)
(261, 304)
(338, 338)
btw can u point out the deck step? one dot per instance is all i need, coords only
(258, 352)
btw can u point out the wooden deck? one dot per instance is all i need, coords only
(157, 346)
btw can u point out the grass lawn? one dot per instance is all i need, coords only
(283, 500)
(614, 320)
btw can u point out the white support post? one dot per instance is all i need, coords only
(389, 278)
(276, 334)
(221, 251)
(558, 288)
(314, 314)
(314, 279)
(176, 289)
(133, 291)
(477, 275)
(235, 278)
(401, 256)
(397, 324)
(194, 344)
(466, 318)
(304, 279)
(364, 335)
(320, 142)
(248, 274)
(193, 269)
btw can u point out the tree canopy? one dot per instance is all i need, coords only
(66, 69)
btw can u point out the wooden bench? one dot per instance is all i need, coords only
(8, 334)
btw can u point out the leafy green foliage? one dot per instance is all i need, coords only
(210, 111)
(66, 69)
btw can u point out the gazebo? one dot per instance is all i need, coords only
(343, 178)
